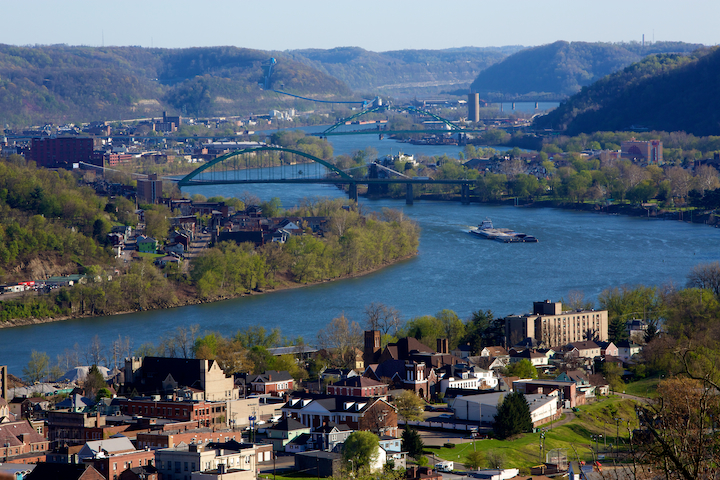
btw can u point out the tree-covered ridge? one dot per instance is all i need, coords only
(662, 92)
(562, 68)
(44, 214)
(364, 70)
(72, 84)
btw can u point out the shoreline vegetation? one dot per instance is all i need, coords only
(350, 243)
(21, 322)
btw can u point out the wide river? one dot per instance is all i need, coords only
(577, 251)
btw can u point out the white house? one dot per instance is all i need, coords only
(628, 348)
(478, 379)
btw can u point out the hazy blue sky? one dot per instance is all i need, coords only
(370, 24)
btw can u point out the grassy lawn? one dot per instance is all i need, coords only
(643, 388)
(523, 451)
(151, 256)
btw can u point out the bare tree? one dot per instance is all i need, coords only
(706, 178)
(249, 199)
(706, 276)
(679, 428)
(70, 358)
(94, 354)
(382, 318)
(680, 181)
(120, 349)
(576, 301)
(632, 175)
(185, 340)
(180, 343)
(513, 167)
(342, 337)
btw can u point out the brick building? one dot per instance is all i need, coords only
(111, 466)
(551, 326)
(150, 189)
(20, 442)
(159, 375)
(358, 387)
(271, 382)
(205, 413)
(61, 152)
(650, 153)
(359, 413)
(156, 440)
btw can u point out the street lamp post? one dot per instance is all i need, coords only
(352, 467)
(605, 433)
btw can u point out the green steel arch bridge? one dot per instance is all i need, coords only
(279, 165)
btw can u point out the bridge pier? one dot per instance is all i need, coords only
(465, 194)
(352, 192)
(408, 193)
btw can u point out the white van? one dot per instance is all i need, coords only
(446, 466)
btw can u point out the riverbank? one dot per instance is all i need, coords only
(650, 211)
(186, 299)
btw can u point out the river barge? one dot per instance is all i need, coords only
(503, 235)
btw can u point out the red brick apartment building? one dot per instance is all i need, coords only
(113, 465)
(358, 387)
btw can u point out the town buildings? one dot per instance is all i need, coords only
(548, 324)
(180, 462)
(482, 408)
(359, 413)
(162, 376)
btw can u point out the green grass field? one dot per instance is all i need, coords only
(643, 388)
(523, 451)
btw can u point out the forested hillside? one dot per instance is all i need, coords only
(72, 84)
(562, 68)
(662, 92)
(49, 225)
(404, 72)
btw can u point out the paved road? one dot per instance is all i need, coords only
(632, 397)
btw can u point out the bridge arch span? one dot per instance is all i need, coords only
(189, 178)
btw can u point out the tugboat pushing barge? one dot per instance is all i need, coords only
(504, 235)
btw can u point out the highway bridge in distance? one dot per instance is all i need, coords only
(279, 165)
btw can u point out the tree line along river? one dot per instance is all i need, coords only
(577, 251)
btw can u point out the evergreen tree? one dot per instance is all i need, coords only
(616, 330)
(94, 382)
(651, 332)
(412, 443)
(513, 416)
